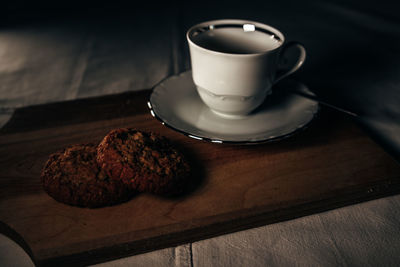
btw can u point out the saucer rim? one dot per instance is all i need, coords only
(220, 141)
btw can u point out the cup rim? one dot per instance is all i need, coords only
(240, 22)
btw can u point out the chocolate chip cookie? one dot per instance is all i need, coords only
(72, 176)
(144, 161)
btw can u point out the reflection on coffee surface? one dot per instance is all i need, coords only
(235, 40)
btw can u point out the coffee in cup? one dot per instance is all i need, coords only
(235, 63)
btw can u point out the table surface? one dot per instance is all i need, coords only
(57, 55)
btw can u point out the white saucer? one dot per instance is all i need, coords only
(176, 103)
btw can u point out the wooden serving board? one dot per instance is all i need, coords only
(330, 164)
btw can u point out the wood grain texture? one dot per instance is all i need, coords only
(330, 164)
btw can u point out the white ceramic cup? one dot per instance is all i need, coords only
(235, 63)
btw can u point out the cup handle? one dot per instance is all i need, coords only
(302, 57)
